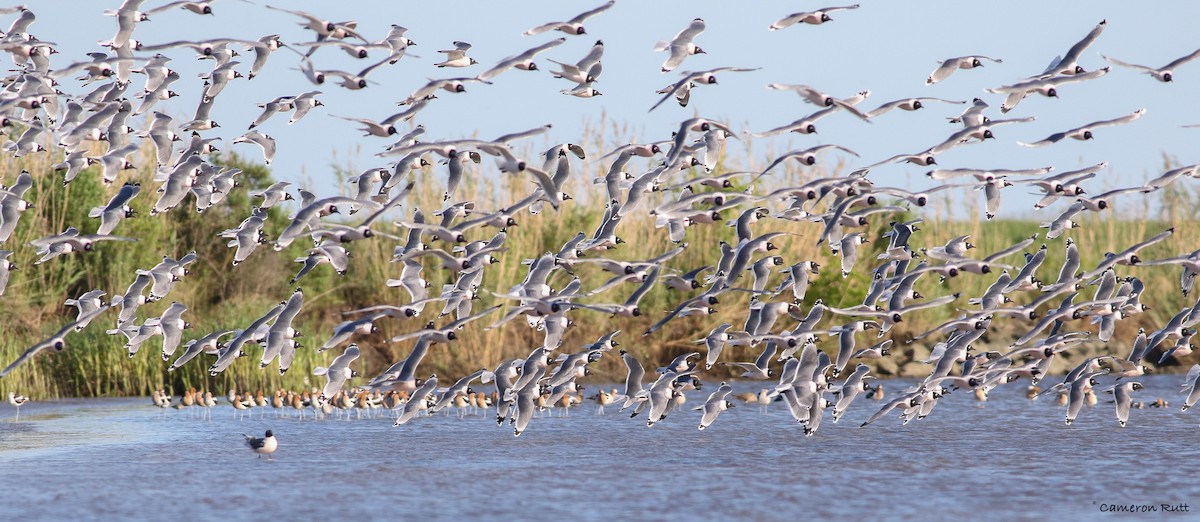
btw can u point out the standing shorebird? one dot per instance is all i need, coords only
(262, 446)
(17, 400)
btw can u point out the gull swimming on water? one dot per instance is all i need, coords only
(264, 445)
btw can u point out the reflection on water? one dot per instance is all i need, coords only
(125, 458)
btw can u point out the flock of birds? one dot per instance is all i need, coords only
(672, 180)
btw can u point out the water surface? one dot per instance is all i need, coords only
(1009, 457)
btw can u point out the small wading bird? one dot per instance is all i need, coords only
(17, 400)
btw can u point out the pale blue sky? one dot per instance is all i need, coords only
(886, 47)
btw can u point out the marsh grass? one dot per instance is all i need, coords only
(220, 296)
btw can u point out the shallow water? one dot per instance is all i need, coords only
(1007, 457)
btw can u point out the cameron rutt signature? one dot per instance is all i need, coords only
(1143, 508)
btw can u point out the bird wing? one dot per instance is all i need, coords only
(670, 91)
(689, 33)
(788, 20)
(578, 19)
(1115, 61)
(1182, 60)
(30, 352)
(1119, 121)
(646, 286)
(1076, 50)
(843, 8)
(1053, 138)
